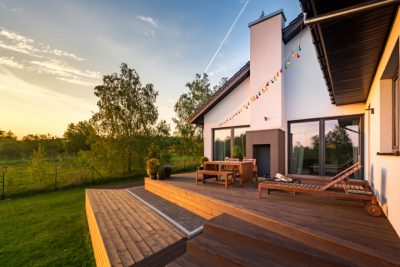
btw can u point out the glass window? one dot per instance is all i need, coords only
(222, 144)
(342, 144)
(304, 158)
(327, 150)
(240, 140)
(396, 114)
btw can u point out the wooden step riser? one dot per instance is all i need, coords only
(263, 245)
(211, 258)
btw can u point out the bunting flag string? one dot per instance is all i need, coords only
(295, 54)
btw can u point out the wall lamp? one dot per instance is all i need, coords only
(265, 118)
(370, 109)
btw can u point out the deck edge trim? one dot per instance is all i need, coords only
(189, 234)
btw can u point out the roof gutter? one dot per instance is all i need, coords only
(348, 11)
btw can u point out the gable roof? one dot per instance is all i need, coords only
(288, 33)
(198, 116)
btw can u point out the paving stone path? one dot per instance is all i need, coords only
(185, 218)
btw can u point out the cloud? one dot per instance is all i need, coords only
(46, 59)
(153, 22)
(10, 62)
(67, 73)
(149, 33)
(62, 53)
(13, 9)
(23, 44)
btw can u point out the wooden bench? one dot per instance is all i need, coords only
(208, 174)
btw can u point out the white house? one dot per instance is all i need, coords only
(317, 95)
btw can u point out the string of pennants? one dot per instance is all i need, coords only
(264, 89)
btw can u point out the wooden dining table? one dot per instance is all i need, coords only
(245, 169)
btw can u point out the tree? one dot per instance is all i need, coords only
(38, 168)
(163, 129)
(126, 109)
(190, 135)
(339, 146)
(77, 136)
(221, 84)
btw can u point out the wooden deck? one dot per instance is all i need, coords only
(125, 232)
(340, 228)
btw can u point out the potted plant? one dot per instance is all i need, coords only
(161, 173)
(153, 167)
(202, 160)
(168, 171)
(236, 153)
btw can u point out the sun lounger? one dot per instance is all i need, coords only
(317, 178)
(338, 188)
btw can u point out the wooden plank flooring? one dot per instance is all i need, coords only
(126, 232)
(344, 224)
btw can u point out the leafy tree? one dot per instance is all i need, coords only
(163, 129)
(126, 109)
(10, 147)
(339, 146)
(78, 136)
(7, 135)
(221, 83)
(190, 135)
(52, 145)
(39, 168)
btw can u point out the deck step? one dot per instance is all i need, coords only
(188, 261)
(234, 230)
(228, 241)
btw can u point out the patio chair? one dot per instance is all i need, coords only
(337, 188)
(255, 170)
(317, 178)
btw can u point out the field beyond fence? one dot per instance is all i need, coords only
(16, 178)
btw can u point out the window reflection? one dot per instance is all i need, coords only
(305, 147)
(222, 144)
(223, 147)
(342, 144)
(239, 142)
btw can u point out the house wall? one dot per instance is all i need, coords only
(303, 95)
(225, 108)
(306, 94)
(383, 172)
(265, 60)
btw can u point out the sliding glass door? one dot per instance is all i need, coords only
(342, 144)
(305, 147)
(325, 146)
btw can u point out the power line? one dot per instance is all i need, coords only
(226, 37)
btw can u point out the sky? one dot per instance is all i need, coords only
(53, 53)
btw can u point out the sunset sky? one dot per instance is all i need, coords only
(53, 53)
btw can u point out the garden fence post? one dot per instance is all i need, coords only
(92, 175)
(55, 179)
(3, 196)
(124, 171)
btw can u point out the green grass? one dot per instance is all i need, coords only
(48, 229)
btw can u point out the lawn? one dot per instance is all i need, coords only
(48, 229)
